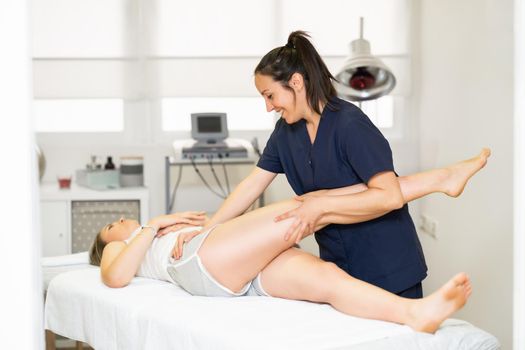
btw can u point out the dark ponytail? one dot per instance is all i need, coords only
(300, 56)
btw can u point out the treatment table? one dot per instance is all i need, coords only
(152, 314)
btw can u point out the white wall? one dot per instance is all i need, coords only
(519, 175)
(465, 88)
(21, 297)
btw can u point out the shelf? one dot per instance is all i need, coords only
(50, 191)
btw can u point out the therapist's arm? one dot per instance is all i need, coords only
(244, 195)
(339, 191)
(382, 196)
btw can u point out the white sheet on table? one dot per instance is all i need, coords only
(50, 272)
(151, 314)
(453, 334)
(65, 260)
(55, 265)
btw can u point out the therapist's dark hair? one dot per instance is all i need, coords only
(95, 252)
(300, 56)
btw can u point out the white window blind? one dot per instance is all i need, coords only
(336, 23)
(81, 28)
(79, 115)
(243, 113)
(380, 111)
(203, 48)
(206, 28)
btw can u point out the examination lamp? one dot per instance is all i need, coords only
(363, 76)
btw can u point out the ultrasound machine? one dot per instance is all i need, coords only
(209, 147)
(210, 140)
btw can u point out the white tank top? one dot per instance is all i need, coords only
(158, 255)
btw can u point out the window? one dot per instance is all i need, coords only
(81, 28)
(336, 23)
(248, 113)
(204, 28)
(380, 111)
(79, 115)
(95, 60)
(243, 113)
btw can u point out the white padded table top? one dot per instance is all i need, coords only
(151, 314)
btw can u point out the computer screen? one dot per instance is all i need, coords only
(209, 124)
(209, 127)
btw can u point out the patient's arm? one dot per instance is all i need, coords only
(121, 261)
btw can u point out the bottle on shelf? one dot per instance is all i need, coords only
(109, 164)
(93, 164)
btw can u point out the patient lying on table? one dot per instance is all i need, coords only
(248, 256)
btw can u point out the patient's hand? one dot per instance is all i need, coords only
(173, 222)
(184, 237)
(173, 228)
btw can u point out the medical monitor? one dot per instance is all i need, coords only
(209, 128)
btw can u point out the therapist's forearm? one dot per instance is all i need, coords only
(357, 207)
(346, 190)
(237, 202)
(341, 218)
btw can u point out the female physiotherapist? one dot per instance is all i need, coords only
(323, 142)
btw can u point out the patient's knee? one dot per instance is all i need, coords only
(324, 280)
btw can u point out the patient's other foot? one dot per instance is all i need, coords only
(428, 313)
(458, 174)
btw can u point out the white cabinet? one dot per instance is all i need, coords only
(55, 226)
(71, 218)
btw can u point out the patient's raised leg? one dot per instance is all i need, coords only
(298, 275)
(450, 180)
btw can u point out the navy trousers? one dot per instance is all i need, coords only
(414, 292)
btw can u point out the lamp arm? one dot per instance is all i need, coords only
(361, 27)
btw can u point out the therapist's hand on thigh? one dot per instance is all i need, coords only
(307, 217)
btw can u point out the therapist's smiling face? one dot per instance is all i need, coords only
(119, 230)
(278, 98)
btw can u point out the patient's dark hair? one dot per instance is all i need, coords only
(95, 252)
(300, 56)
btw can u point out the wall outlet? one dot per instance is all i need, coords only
(428, 226)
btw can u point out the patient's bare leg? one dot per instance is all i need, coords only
(298, 275)
(450, 180)
(236, 251)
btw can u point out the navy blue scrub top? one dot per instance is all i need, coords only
(349, 149)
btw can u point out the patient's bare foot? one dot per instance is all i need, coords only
(428, 313)
(459, 173)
